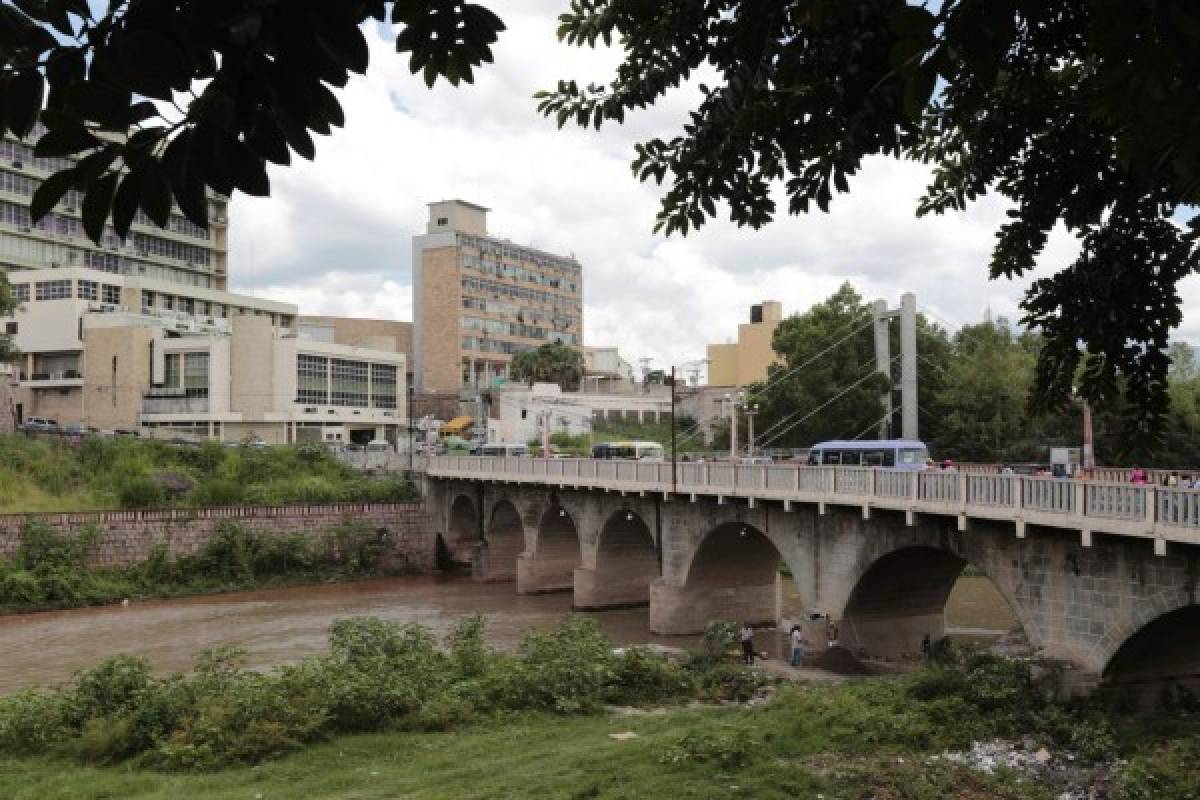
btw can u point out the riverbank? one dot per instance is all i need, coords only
(870, 739)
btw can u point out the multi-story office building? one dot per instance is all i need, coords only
(115, 352)
(479, 300)
(181, 253)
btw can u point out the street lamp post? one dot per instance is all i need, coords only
(751, 413)
(410, 428)
(735, 401)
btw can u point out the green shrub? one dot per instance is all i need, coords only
(112, 688)
(566, 669)
(33, 721)
(1166, 772)
(731, 682)
(141, 492)
(730, 748)
(641, 676)
(468, 652)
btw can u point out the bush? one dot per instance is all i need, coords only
(1167, 772)
(641, 676)
(141, 492)
(731, 748)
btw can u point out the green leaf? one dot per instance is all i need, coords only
(65, 142)
(24, 101)
(125, 204)
(51, 190)
(96, 205)
(156, 194)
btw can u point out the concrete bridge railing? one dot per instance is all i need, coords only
(1149, 512)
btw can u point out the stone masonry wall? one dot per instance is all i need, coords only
(129, 537)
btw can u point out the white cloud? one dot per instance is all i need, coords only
(335, 235)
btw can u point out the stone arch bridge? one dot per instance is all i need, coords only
(1102, 576)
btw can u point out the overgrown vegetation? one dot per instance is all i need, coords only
(378, 675)
(463, 720)
(110, 473)
(49, 568)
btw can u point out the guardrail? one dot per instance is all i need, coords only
(1167, 514)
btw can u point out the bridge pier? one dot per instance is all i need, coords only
(681, 610)
(537, 574)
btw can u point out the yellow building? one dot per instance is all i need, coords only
(745, 361)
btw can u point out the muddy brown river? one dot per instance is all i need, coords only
(280, 625)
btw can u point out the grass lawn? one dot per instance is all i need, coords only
(538, 756)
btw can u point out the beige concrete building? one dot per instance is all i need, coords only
(391, 336)
(181, 253)
(115, 352)
(478, 300)
(746, 361)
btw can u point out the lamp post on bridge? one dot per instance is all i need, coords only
(735, 400)
(751, 413)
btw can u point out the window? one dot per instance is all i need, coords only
(348, 383)
(187, 305)
(312, 379)
(147, 301)
(88, 290)
(110, 294)
(10, 329)
(195, 374)
(443, 221)
(172, 372)
(20, 292)
(383, 386)
(52, 290)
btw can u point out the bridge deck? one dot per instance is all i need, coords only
(1159, 513)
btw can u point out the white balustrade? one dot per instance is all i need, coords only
(1115, 501)
(853, 480)
(1052, 495)
(1179, 507)
(894, 482)
(720, 476)
(938, 487)
(751, 476)
(780, 479)
(990, 490)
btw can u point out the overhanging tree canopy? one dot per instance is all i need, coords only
(238, 83)
(1084, 112)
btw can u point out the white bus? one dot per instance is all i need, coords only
(636, 451)
(890, 453)
(501, 449)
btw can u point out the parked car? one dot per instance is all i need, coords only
(380, 446)
(39, 425)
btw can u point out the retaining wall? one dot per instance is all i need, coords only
(128, 537)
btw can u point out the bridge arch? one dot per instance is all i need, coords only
(550, 566)
(624, 561)
(732, 574)
(462, 531)
(1162, 654)
(504, 541)
(901, 596)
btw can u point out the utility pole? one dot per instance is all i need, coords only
(410, 428)
(1089, 451)
(908, 365)
(733, 421)
(883, 363)
(751, 413)
(674, 455)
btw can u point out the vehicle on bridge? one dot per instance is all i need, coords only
(503, 449)
(891, 453)
(633, 450)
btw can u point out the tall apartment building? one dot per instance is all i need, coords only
(478, 300)
(181, 253)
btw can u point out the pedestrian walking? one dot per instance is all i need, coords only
(926, 648)
(747, 643)
(797, 646)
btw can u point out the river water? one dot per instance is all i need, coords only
(281, 625)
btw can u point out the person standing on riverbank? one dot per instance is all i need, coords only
(747, 644)
(797, 646)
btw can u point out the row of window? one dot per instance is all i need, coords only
(521, 293)
(503, 270)
(158, 301)
(516, 253)
(494, 346)
(60, 289)
(14, 152)
(144, 244)
(58, 254)
(187, 371)
(340, 382)
(529, 316)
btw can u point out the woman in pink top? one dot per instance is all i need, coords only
(1138, 475)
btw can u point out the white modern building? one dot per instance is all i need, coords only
(521, 413)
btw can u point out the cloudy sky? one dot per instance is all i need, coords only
(335, 235)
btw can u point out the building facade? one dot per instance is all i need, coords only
(745, 361)
(115, 353)
(181, 253)
(479, 300)
(520, 413)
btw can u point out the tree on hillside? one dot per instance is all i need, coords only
(552, 362)
(7, 305)
(825, 386)
(164, 99)
(1080, 112)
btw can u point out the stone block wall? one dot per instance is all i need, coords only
(128, 537)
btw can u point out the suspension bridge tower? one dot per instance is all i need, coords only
(883, 316)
